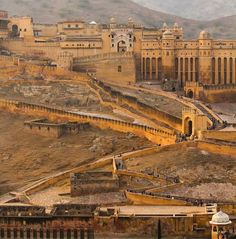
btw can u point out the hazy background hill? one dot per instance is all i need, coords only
(50, 11)
(194, 9)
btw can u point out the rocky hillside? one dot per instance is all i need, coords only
(102, 10)
(194, 9)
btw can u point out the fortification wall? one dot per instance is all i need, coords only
(220, 135)
(219, 94)
(217, 147)
(31, 48)
(155, 135)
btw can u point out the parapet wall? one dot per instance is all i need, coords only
(144, 199)
(220, 135)
(155, 135)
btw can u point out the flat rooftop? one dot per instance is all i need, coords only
(165, 211)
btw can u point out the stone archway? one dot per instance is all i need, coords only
(188, 126)
(15, 30)
(190, 94)
(122, 46)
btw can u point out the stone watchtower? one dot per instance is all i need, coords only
(220, 226)
(168, 54)
(205, 57)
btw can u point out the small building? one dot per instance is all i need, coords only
(53, 130)
(93, 183)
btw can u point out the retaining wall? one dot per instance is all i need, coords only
(144, 199)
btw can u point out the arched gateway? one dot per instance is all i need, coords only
(193, 122)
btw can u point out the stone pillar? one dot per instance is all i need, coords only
(12, 233)
(78, 234)
(51, 233)
(184, 70)
(145, 68)
(189, 69)
(179, 69)
(228, 71)
(58, 234)
(72, 234)
(234, 71)
(31, 234)
(25, 233)
(86, 234)
(142, 67)
(194, 69)
(216, 71)
(222, 71)
(5, 232)
(157, 68)
(150, 69)
(38, 234)
(44, 234)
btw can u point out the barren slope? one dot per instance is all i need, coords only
(25, 157)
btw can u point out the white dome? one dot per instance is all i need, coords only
(204, 35)
(220, 218)
(93, 23)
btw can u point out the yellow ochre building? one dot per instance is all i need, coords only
(126, 52)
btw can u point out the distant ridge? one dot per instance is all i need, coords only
(194, 9)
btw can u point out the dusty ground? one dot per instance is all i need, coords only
(207, 175)
(65, 95)
(55, 195)
(25, 157)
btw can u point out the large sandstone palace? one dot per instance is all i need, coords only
(126, 52)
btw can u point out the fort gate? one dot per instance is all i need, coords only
(193, 122)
